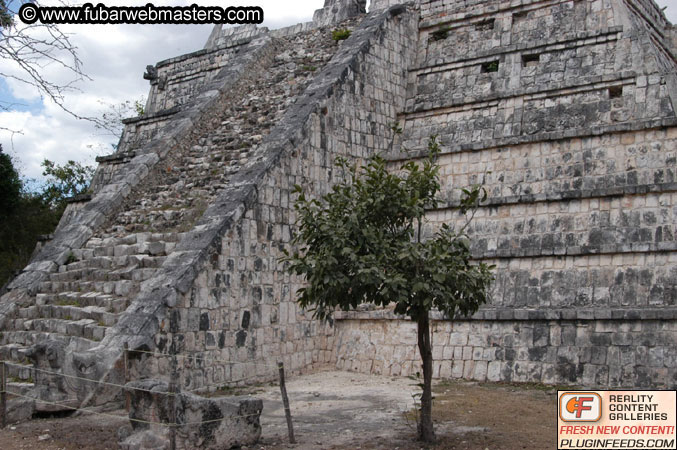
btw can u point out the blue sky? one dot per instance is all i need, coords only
(115, 57)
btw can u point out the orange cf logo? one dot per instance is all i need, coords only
(580, 407)
(577, 405)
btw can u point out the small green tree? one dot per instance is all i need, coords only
(363, 243)
(110, 120)
(64, 181)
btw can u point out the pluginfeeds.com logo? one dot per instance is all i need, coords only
(580, 407)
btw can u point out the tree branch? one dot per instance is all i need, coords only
(31, 48)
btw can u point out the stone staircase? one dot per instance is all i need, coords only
(83, 299)
(188, 181)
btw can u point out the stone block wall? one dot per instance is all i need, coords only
(503, 73)
(488, 30)
(601, 166)
(173, 83)
(240, 314)
(177, 80)
(137, 133)
(578, 110)
(617, 285)
(591, 195)
(647, 14)
(573, 227)
(564, 110)
(632, 353)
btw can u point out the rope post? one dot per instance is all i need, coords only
(285, 401)
(172, 414)
(173, 390)
(3, 395)
(125, 359)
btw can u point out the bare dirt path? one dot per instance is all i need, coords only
(342, 410)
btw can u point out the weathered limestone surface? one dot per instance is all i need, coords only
(182, 251)
(241, 307)
(565, 109)
(204, 423)
(583, 352)
(79, 284)
(335, 11)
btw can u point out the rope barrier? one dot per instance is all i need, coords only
(185, 356)
(220, 385)
(73, 408)
(87, 379)
(85, 410)
(122, 387)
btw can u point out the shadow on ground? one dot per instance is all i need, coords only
(343, 410)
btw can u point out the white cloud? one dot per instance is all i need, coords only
(671, 9)
(52, 135)
(115, 57)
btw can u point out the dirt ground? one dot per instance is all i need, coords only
(342, 410)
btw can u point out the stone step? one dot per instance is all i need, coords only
(114, 263)
(153, 248)
(21, 337)
(125, 273)
(20, 408)
(74, 275)
(13, 353)
(20, 388)
(121, 287)
(93, 262)
(29, 312)
(135, 238)
(19, 373)
(95, 313)
(111, 303)
(29, 338)
(83, 328)
(98, 314)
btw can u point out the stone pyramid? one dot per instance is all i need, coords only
(564, 109)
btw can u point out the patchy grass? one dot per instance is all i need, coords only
(71, 258)
(480, 415)
(68, 302)
(494, 414)
(340, 34)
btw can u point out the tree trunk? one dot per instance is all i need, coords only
(425, 425)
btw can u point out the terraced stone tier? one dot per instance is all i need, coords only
(84, 297)
(188, 181)
(79, 302)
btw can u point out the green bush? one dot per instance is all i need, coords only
(491, 67)
(340, 34)
(25, 215)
